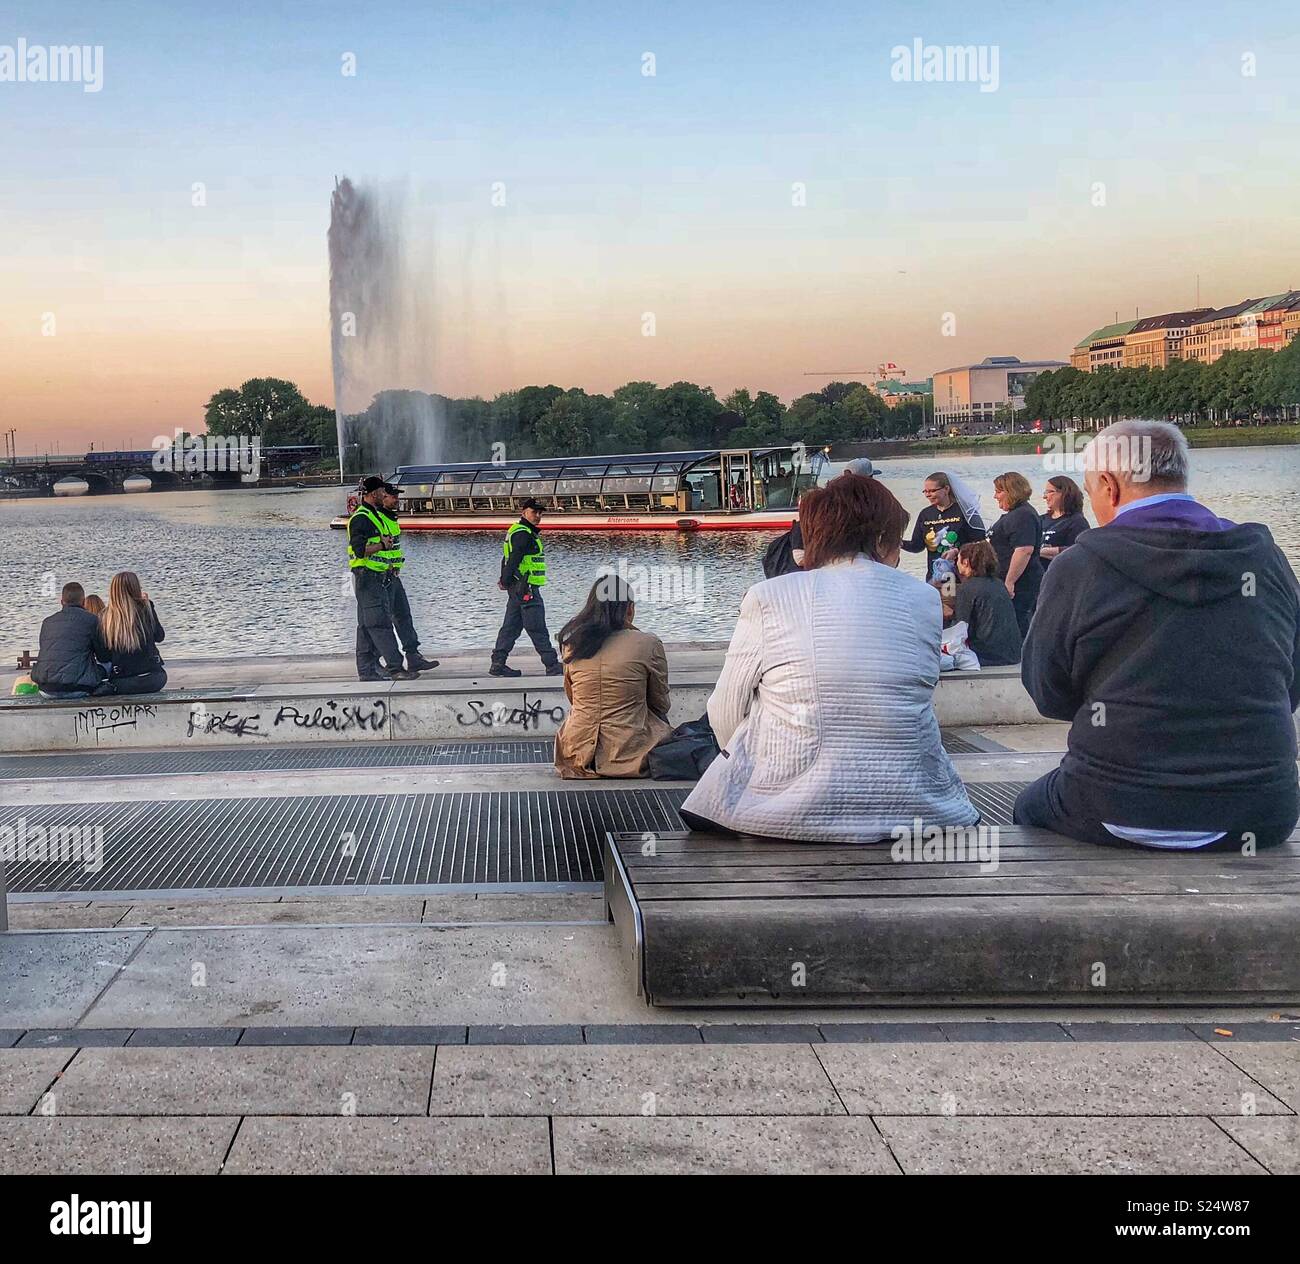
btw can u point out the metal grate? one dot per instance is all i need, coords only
(551, 836)
(995, 799)
(332, 840)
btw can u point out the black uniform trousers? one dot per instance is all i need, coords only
(375, 639)
(524, 613)
(402, 620)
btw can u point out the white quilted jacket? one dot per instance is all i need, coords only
(824, 711)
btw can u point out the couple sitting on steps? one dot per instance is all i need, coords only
(1168, 637)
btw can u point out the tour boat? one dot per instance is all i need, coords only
(743, 489)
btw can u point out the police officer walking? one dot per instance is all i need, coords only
(523, 572)
(371, 552)
(402, 621)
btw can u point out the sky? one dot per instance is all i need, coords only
(784, 206)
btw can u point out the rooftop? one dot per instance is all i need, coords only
(1105, 332)
(1006, 362)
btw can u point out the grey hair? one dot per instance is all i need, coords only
(1139, 451)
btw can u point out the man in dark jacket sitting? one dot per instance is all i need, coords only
(67, 666)
(1170, 638)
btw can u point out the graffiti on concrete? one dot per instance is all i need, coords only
(91, 722)
(335, 717)
(204, 722)
(500, 715)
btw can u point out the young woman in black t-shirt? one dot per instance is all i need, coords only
(1016, 538)
(941, 527)
(1063, 523)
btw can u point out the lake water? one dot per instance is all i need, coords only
(260, 572)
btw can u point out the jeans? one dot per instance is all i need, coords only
(375, 639)
(150, 682)
(1040, 803)
(524, 612)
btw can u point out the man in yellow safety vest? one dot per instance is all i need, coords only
(372, 552)
(402, 621)
(523, 572)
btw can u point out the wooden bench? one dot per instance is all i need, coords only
(711, 920)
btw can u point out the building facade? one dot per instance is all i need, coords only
(1102, 349)
(1156, 340)
(1202, 334)
(974, 398)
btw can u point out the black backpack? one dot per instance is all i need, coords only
(779, 557)
(685, 753)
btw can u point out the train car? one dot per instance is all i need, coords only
(721, 490)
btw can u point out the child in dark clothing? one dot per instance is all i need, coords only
(984, 605)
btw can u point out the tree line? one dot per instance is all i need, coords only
(1239, 386)
(536, 421)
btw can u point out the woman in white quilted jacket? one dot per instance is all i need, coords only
(824, 709)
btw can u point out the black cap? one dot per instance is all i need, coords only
(389, 487)
(530, 503)
(372, 484)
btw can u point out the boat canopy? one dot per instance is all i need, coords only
(668, 462)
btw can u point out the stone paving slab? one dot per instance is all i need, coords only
(247, 1081)
(1054, 1146)
(114, 1147)
(1087, 1032)
(184, 1037)
(431, 1147)
(1237, 1033)
(58, 915)
(76, 1038)
(1275, 1066)
(642, 1034)
(376, 975)
(1041, 1079)
(352, 909)
(447, 1034)
(1273, 1140)
(51, 980)
(556, 907)
(530, 1034)
(296, 1036)
(725, 1146)
(1003, 1031)
(631, 1080)
(25, 1074)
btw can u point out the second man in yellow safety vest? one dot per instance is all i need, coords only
(402, 621)
(523, 573)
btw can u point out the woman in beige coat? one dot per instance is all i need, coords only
(616, 679)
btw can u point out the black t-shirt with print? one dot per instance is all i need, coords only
(1060, 533)
(938, 530)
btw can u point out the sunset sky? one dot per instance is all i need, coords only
(625, 193)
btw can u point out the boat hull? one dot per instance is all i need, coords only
(556, 520)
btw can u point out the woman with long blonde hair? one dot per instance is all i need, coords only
(131, 630)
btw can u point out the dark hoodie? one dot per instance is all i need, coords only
(1171, 639)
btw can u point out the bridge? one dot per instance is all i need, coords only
(107, 472)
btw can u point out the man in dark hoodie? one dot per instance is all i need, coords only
(67, 663)
(1170, 638)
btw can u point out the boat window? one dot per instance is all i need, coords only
(618, 471)
(582, 471)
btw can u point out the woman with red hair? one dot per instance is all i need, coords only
(824, 707)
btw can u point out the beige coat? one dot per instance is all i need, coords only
(618, 699)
